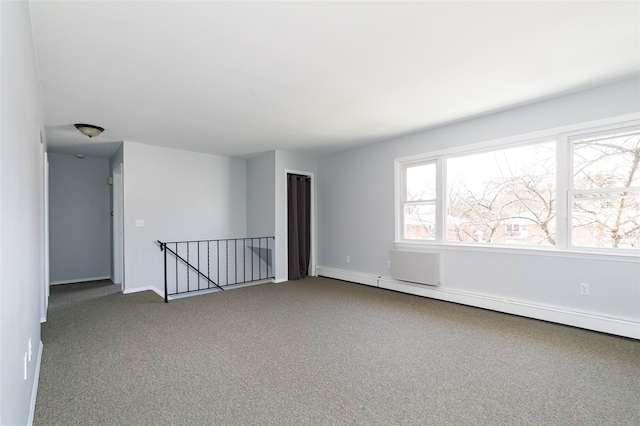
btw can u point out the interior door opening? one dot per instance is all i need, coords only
(298, 225)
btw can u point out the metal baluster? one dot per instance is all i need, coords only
(176, 270)
(259, 258)
(166, 290)
(227, 255)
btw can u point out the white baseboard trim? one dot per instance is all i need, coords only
(139, 289)
(194, 293)
(34, 390)
(355, 277)
(248, 284)
(81, 280)
(620, 326)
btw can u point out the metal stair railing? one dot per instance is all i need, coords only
(228, 262)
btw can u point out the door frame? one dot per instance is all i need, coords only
(312, 257)
(118, 227)
(45, 249)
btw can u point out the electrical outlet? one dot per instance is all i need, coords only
(584, 289)
(139, 222)
(388, 264)
(348, 259)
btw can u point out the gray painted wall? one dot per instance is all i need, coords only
(356, 212)
(116, 158)
(180, 196)
(21, 214)
(79, 218)
(261, 195)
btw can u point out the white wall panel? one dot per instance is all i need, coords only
(180, 195)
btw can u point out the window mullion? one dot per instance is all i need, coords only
(400, 198)
(441, 200)
(563, 186)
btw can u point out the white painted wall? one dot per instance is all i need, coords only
(21, 215)
(287, 161)
(261, 194)
(180, 195)
(79, 218)
(356, 219)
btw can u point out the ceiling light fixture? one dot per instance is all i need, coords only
(89, 129)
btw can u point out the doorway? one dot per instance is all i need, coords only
(299, 225)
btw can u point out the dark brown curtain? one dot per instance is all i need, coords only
(299, 225)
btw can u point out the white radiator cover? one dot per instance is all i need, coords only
(416, 267)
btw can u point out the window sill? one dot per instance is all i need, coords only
(575, 253)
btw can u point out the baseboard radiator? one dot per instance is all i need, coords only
(416, 267)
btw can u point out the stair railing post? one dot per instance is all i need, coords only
(166, 287)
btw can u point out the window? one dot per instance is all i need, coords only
(605, 197)
(492, 194)
(562, 190)
(419, 201)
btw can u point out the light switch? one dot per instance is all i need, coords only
(139, 222)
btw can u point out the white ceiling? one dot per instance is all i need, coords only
(239, 78)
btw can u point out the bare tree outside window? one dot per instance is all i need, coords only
(505, 196)
(606, 191)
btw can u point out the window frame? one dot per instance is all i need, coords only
(403, 196)
(571, 192)
(563, 137)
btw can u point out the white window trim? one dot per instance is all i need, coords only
(564, 136)
(403, 193)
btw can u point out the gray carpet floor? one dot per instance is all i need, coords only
(321, 351)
